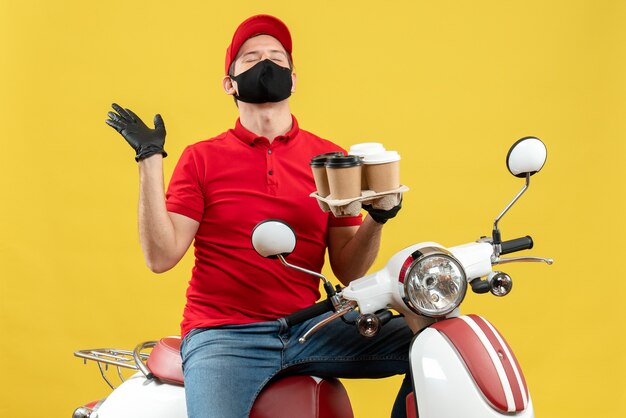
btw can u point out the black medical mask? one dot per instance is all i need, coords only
(265, 82)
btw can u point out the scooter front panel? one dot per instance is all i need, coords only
(489, 360)
(444, 386)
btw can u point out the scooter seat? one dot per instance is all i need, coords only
(311, 397)
(165, 361)
(303, 397)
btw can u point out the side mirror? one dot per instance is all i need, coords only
(272, 238)
(526, 156)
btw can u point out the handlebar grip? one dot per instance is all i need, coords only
(310, 312)
(517, 244)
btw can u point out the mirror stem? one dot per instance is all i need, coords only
(327, 285)
(496, 232)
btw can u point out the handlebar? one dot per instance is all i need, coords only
(517, 244)
(310, 312)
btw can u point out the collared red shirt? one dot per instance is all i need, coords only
(229, 184)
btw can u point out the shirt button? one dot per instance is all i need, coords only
(270, 172)
(269, 151)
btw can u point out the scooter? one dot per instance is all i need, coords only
(461, 365)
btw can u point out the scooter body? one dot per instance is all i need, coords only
(457, 370)
(157, 391)
(139, 397)
(461, 365)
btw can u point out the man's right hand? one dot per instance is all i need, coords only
(145, 141)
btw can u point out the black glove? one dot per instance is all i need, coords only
(145, 141)
(381, 215)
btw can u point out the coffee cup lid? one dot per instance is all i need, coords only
(343, 162)
(366, 148)
(381, 157)
(320, 160)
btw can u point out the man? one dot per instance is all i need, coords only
(235, 337)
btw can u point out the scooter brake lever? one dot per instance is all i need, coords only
(498, 260)
(341, 311)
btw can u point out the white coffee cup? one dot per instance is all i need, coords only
(366, 148)
(362, 150)
(382, 171)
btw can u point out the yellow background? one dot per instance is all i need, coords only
(450, 85)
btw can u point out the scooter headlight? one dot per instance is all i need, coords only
(434, 282)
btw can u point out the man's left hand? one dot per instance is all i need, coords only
(383, 215)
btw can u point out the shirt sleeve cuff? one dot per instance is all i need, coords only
(185, 211)
(345, 220)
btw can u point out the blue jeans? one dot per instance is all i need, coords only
(226, 367)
